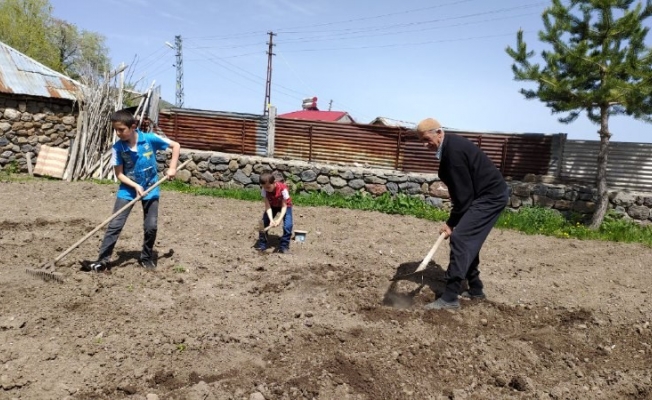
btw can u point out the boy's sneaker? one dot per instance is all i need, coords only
(441, 304)
(260, 246)
(472, 296)
(147, 264)
(94, 266)
(284, 250)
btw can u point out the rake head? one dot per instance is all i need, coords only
(46, 272)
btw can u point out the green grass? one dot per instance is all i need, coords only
(529, 220)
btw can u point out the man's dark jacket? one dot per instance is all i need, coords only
(469, 174)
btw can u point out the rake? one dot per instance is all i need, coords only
(47, 270)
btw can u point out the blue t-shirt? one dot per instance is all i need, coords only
(139, 165)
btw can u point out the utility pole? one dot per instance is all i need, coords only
(330, 105)
(268, 86)
(179, 65)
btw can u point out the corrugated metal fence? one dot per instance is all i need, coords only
(629, 165)
(216, 131)
(391, 147)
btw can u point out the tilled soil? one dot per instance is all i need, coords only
(566, 319)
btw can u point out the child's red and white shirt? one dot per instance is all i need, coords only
(276, 197)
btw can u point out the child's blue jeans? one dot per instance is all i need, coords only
(287, 227)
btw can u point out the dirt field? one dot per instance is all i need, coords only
(567, 319)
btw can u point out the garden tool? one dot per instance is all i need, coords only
(425, 261)
(46, 271)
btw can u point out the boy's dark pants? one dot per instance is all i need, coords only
(150, 214)
(287, 227)
(467, 240)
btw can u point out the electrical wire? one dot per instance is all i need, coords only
(403, 44)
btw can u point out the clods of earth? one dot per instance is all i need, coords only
(565, 319)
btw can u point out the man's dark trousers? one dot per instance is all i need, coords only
(467, 240)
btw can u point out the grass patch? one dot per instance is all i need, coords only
(529, 220)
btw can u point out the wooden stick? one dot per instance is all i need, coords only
(28, 157)
(431, 253)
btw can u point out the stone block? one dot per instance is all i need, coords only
(522, 190)
(240, 177)
(337, 182)
(375, 189)
(308, 175)
(638, 212)
(563, 205)
(584, 207)
(542, 201)
(356, 184)
(438, 189)
(374, 180)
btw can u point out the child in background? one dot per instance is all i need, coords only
(277, 204)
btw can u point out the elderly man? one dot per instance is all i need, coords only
(478, 193)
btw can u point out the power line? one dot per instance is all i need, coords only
(235, 69)
(403, 44)
(376, 16)
(343, 36)
(432, 21)
(285, 30)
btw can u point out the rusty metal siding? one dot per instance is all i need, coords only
(332, 142)
(22, 75)
(215, 131)
(629, 165)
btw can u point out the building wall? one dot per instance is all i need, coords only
(26, 123)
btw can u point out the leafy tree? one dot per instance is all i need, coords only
(28, 26)
(24, 25)
(598, 63)
(80, 52)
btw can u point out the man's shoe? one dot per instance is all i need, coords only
(475, 296)
(284, 250)
(441, 304)
(147, 264)
(95, 266)
(260, 246)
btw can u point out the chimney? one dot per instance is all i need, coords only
(310, 103)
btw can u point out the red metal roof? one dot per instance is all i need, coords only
(314, 115)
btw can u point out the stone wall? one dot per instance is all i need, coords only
(28, 122)
(222, 170)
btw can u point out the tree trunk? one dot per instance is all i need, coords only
(603, 196)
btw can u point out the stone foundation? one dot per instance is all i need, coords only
(26, 123)
(222, 170)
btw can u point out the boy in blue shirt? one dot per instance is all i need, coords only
(134, 163)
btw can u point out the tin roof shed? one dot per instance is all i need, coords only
(22, 75)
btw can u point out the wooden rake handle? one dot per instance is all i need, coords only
(106, 221)
(431, 253)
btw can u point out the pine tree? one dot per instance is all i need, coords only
(598, 63)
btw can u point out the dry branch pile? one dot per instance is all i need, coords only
(91, 150)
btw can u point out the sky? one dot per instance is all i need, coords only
(405, 60)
